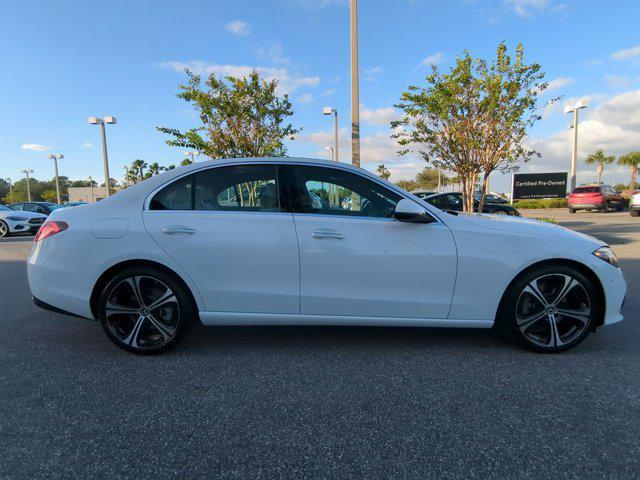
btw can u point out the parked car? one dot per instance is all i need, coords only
(165, 253)
(491, 198)
(453, 201)
(634, 204)
(595, 197)
(19, 222)
(44, 208)
(423, 193)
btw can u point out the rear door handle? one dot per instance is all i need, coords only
(177, 230)
(327, 234)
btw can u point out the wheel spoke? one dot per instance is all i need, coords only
(164, 330)
(168, 298)
(132, 338)
(569, 284)
(113, 309)
(554, 337)
(533, 289)
(523, 323)
(582, 316)
(134, 283)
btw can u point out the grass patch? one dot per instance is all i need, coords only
(546, 219)
(542, 203)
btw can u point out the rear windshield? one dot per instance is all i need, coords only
(587, 190)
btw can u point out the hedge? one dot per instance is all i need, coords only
(542, 203)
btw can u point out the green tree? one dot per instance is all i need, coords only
(408, 185)
(185, 162)
(49, 196)
(383, 172)
(600, 159)
(241, 117)
(154, 169)
(631, 160)
(474, 119)
(4, 188)
(138, 168)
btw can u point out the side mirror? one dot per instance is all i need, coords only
(409, 211)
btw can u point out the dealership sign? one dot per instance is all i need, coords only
(539, 185)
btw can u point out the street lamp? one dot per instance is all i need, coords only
(27, 172)
(101, 122)
(10, 190)
(329, 111)
(330, 149)
(193, 155)
(91, 185)
(574, 154)
(355, 102)
(56, 157)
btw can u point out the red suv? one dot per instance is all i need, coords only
(596, 197)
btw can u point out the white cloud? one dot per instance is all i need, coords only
(378, 116)
(433, 59)
(273, 52)
(558, 83)
(617, 81)
(287, 81)
(329, 92)
(306, 98)
(626, 53)
(35, 147)
(87, 145)
(523, 8)
(238, 27)
(370, 74)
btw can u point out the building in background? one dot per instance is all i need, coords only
(88, 194)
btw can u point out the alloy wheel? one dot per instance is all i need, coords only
(553, 310)
(142, 312)
(4, 229)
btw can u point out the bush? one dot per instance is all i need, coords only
(542, 203)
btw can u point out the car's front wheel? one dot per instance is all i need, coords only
(4, 229)
(550, 309)
(145, 310)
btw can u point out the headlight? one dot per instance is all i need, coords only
(17, 219)
(606, 254)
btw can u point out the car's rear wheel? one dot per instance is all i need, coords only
(634, 213)
(571, 210)
(550, 309)
(501, 212)
(4, 229)
(145, 310)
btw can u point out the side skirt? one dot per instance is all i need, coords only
(232, 318)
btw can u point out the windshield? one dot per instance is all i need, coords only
(3, 208)
(587, 190)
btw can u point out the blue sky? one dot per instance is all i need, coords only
(64, 61)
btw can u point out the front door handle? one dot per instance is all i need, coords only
(327, 234)
(177, 230)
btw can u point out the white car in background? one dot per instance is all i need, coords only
(12, 221)
(634, 204)
(244, 242)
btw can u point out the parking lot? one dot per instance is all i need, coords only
(318, 402)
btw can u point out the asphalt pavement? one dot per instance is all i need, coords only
(318, 402)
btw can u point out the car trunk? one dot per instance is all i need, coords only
(586, 196)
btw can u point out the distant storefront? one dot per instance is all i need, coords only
(87, 194)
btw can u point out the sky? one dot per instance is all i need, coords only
(64, 61)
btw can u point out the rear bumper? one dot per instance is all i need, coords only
(635, 207)
(587, 206)
(51, 308)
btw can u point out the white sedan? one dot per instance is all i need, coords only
(12, 221)
(307, 242)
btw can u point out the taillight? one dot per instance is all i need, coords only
(50, 228)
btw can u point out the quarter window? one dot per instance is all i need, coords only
(331, 191)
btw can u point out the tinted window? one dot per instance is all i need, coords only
(331, 191)
(455, 202)
(238, 188)
(177, 196)
(18, 206)
(440, 202)
(587, 190)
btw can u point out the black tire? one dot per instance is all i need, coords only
(520, 307)
(140, 329)
(634, 213)
(500, 211)
(4, 229)
(571, 210)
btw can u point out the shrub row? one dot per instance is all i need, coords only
(542, 203)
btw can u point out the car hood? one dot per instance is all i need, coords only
(525, 226)
(18, 213)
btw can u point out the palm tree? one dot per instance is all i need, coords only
(154, 169)
(139, 166)
(600, 159)
(631, 160)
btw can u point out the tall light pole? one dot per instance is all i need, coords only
(574, 154)
(193, 155)
(56, 157)
(91, 185)
(355, 101)
(329, 111)
(10, 189)
(27, 172)
(101, 122)
(330, 149)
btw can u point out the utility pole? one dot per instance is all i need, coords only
(355, 97)
(27, 172)
(55, 158)
(91, 184)
(330, 111)
(574, 153)
(105, 157)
